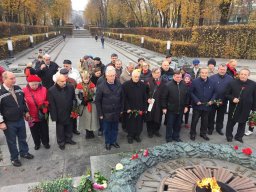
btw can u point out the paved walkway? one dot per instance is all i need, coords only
(75, 160)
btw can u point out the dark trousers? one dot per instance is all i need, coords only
(134, 126)
(186, 115)
(173, 126)
(40, 133)
(16, 130)
(221, 110)
(101, 125)
(63, 132)
(110, 131)
(74, 124)
(124, 120)
(240, 129)
(153, 127)
(204, 121)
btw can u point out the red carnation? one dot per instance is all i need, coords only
(45, 110)
(236, 147)
(140, 113)
(135, 156)
(145, 153)
(247, 151)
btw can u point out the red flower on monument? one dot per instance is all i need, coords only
(247, 151)
(145, 153)
(65, 190)
(236, 147)
(135, 156)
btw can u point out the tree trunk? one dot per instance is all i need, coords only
(224, 10)
(201, 12)
(179, 17)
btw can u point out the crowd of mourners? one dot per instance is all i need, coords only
(95, 98)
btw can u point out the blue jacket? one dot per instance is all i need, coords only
(202, 91)
(221, 83)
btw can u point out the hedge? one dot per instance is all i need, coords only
(232, 41)
(179, 48)
(22, 29)
(21, 42)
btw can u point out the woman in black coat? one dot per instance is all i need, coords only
(156, 87)
(241, 94)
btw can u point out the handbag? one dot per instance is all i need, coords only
(41, 115)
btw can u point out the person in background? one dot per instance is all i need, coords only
(102, 39)
(46, 70)
(135, 102)
(96, 37)
(13, 109)
(29, 70)
(114, 57)
(96, 75)
(195, 70)
(145, 73)
(127, 73)
(109, 103)
(61, 97)
(36, 97)
(166, 71)
(156, 86)
(140, 62)
(85, 94)
(99, 64)
(2, 70)
(211, 66)
(231, 68)
(169, 58)
(188, 82)
(119, 68)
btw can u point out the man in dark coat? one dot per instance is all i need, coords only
(241, 94)
(175, 102)
(203, 94)
(114, 57)
(221, 82)
(13, 109)
(61, 97)
(156, 86)
(135, 99)
(109, 104)
(46, 70)
(166, 71)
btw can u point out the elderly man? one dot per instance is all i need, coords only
(221, 82)
(13, 109)
(46, 70)
(127, 73)
(203, 94)
(61, 97)
(109, 104)
(166, 71)
(241, 94)
(135, 102)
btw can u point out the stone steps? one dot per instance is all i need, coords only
(81, 34)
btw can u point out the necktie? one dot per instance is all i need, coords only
(14, 95)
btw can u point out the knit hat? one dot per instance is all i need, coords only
(67, 62)
(33, 78)
(212, 61)
(196, 62)
(64, 71)
(187, 75)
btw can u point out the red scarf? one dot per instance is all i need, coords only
(233, 70)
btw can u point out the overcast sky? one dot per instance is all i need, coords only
(79, 4)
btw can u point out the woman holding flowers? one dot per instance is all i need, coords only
(85, 92)
(36, 98)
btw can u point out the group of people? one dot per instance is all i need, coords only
(97, 97)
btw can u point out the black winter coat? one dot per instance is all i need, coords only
(47, 73)
(155, 91)
(175, 97)
(135, 96)
(109, 102)
(246, 91)
(61, 101)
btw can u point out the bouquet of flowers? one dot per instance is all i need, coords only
(100, 182)
(75, 112)
(136, 113)
(218, 102)
(44, 108)
(252, 119)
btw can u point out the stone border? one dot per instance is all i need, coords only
(125, 180)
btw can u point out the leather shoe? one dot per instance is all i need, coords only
(137, 138)
(47, 146)
(76, 132)
(177, 140)
(229, 139)
(239, 139)
(219, 132)
(37, 147)
(27, 156)
(108, 146)
(192, 137)
(130, 140)
(71, 142)
(210, 132)
(115, 145)
(205, 137)
(62, 147)
(16, 163)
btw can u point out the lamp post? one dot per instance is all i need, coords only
(121, 36)
(168, 48)
(31, 41)
(142, 42)
(10, 47)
